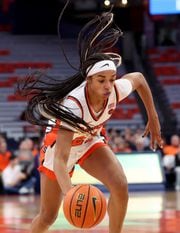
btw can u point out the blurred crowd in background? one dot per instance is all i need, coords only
(19, 167)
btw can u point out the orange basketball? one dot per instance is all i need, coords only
(84, 206)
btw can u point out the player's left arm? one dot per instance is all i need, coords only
(136, 82)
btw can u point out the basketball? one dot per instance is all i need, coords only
(84, 206)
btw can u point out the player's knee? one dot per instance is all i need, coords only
(48, 217)
(119, 187)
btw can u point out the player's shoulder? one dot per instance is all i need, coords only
(77, 95)
(78, 91)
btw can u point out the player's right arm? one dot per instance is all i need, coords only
(61, 155)
(63, 146)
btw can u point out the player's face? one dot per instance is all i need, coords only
(102, 83)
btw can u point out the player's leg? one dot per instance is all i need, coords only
(104, 166)
(51, 198)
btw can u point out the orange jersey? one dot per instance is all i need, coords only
(4, 160)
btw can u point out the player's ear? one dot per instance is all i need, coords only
(89, 79)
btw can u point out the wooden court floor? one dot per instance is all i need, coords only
(150, 212)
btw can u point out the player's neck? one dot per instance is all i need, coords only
(96, 102)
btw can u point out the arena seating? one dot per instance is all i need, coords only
(20, 55)
(166, 65)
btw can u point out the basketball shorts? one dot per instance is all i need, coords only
(78, 154)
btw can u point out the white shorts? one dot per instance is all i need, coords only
(77, 155)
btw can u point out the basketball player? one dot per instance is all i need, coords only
(77, 109)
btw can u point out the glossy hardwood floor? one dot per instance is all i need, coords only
(149, 212)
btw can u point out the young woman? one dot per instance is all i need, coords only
(77, 109)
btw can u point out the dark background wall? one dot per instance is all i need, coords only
(40, 16)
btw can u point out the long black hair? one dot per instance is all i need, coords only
(45, 93)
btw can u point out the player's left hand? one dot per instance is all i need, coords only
(153, 128)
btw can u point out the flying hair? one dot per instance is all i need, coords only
(45, 93)
(98, 36)
(59, 34)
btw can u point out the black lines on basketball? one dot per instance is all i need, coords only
(87, 202)
(84, 206)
